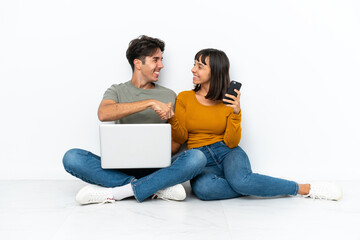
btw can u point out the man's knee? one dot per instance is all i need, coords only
(69, 159)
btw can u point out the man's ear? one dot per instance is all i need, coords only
(137, 64)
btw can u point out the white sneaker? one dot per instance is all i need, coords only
(325, 190)
(94, 194)
(176, 192)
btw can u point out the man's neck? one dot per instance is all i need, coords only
(141, 83)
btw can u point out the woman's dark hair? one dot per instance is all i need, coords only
(143, 46)
(219, 69)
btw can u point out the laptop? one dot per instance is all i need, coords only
(135, 145)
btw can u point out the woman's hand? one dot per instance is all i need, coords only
(235, 102)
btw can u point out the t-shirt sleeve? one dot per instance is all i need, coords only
(111, 94)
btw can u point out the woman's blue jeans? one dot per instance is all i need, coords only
(228, 175)
(87, 166)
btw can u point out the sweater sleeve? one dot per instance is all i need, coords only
(178, 130)
(233, 130)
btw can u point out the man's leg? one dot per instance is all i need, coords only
(87, 166)
(186, 166)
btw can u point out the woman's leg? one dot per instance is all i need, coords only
(211, 185)
(237, 171)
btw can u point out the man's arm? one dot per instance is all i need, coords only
(109, 110)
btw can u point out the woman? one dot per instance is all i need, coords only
(204, 122)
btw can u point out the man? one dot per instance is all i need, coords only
(139, 100)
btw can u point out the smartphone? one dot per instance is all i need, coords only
(233, 85)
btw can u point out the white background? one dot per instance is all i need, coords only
(298, 62)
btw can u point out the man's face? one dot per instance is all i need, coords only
(150, 70)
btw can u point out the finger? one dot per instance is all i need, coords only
(159, 111)
(228, 100)
(171, 113)
(238, 93)
(230, 96)
(161, 114)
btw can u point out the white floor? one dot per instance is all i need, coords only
(47, 210)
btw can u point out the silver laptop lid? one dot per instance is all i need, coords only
(135, 145)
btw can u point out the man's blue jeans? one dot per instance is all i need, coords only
(228, 175)
(87, 166)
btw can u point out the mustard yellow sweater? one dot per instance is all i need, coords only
(201, 125)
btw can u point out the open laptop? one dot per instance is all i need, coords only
(135, 145)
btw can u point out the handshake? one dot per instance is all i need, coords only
(165, 111)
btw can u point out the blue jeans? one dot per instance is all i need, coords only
(228, 175)
(87, 166)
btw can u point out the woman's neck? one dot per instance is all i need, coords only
(204, 89)
(200, 96)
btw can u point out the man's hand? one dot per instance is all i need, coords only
(164, 111)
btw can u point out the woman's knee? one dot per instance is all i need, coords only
(238, 152)
(242, 182)
(195, 159)
(200, 188)
(236, 161)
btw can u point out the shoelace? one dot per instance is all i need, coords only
(162, 196)
(313, 196)
(325, 191)
(108, 200)
(319, 193)
(98, 198)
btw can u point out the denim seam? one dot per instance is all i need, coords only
(214, 158)
(80, 177)
(296, 189)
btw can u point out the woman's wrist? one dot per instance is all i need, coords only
(237, 112)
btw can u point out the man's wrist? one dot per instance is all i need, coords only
(151, 104)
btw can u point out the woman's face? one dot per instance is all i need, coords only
(201, 72)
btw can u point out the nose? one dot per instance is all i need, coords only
(160, 64)
(193, 69)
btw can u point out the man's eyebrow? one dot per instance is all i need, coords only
(157, 58)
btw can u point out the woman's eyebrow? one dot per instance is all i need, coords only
(200, 63)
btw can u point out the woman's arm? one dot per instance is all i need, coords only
(178, 130)
(232, 134)
(175, 147)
